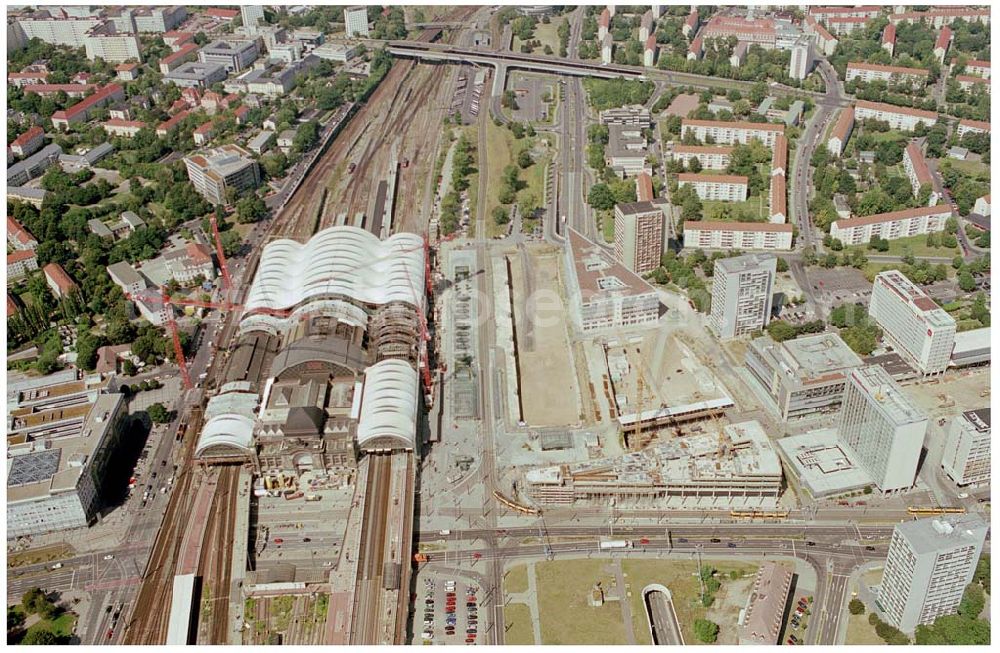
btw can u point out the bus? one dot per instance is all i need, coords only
(758, 514)
(930, 511)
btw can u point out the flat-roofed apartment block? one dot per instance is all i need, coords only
(973, 127)
(966, 457)
(734, 464)
(635, 115)
(711, 157)
(841, 132)
(870, 72)
(898, 224)
(603, 293)
(214, 171)
(882, 428)
(741, 294)
(761, 619)
(918, 173)
(738, 235)
(730, 133)
(61, 433)
(626, 150)
(918, 329)
(898, 117)
(928, 566)
(802, 376)
(726, 188)
(639, 236)
(941, 16)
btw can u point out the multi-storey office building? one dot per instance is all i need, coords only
(741, 294)
(639, 236)
(966, 458)
(882, 428)
(918, 329)
(929, 564)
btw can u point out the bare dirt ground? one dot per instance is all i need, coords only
(951, 395)
(549, 388)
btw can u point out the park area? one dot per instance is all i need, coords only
(40, 619)
(567, 616)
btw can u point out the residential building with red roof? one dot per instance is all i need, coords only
(691, 23)
(187, 52)
(841, 132)
(18, 237)
(870, 72)
(126, 128)
(221, 13)
(825, 41)
(972, 127)
(203, 134)
(889, 39)
(918, 173)
(23, 79)
(941, 16)
(127, 72)
(942, 43)
(170, 124)
(890, 226)
(20, 263)
(976, 67)
(644, 187)
(59, 282)
(176, 39)
(846, 24)
(902, 118)
(966, 82)
(80, 112)
(737, 235)
(12, 306)
(241, 113)
(29, 142)
(72, 90)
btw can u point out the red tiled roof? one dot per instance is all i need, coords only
(890, 108)
(644, 187)
(604, 19)
(170, 123)
(709, 225)
(703, 149)
(892, 70)
(975, 63)
(943, 38)
(692, 18)
(844, 124)
(27, 75)
(697, 177)
(779, 197)
(219, 12)
(779, 160)
(126, 66)
(975, 124)
(89, 102)
(16, 229)
(118, 122)
(761, 126)
(651, 42)
(204, 129)
(971, 79)
(27, 136)
(919, 164)
(889, 35)
(55, 88)
(58, 275)
(20, 255)
(198, 253)
(185, 50)
(894, 215)
(11, 305)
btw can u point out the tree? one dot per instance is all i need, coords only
(250, 209)
(973, 602)
(15, 618)
(780, 330)
(40, 637)
(500, 215)
(706, 631)
(158, 413)
(86, 350)
(34, 600)
(524, 159)
(856, 607)
(306, 136)
(966, 281)
(600, 197)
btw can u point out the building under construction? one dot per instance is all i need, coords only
(736, 463)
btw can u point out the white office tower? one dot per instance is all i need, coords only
(741, 294)
(929, 564)
(882, 428)
(356, 21)
(966, 457)
(253, 16)
(917, 328)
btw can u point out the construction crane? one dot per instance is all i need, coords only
(176, 337)
(222, 257)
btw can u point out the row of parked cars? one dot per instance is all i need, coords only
(451, 611)
(800, 609)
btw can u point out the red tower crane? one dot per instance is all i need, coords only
(222, 257)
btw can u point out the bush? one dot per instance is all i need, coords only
(856, 607)
(706, 631)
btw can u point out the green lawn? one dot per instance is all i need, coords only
(681, 579)
(970, 168)
(471, 133)
(755, 209)
(916, 244)
(607, 219)
(499, 154)
(545, 35)
(567, 618)
(534, 176)
(520, 631)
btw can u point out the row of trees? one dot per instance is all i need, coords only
(462, 166)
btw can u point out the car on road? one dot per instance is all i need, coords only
(810, 543)
(869, 548)
(715, 540)
(731, 545)
(58, 565)
(109, 557)
(278, 540)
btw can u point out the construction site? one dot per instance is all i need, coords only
(291, 517)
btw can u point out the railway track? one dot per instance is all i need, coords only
(215, 565)
(367, 610)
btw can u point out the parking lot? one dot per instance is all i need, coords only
(447, 611)
(798, 620)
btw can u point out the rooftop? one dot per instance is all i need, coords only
(890, 108)
(754, 126)
(717, 225)
(708, 178)
(890, 397)
(892, 70)
(809, 358)
(821, 465)
(761, 623)
(915, 296)
(599, 274)
(895, 215)
(745, 262)
(943, 533)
